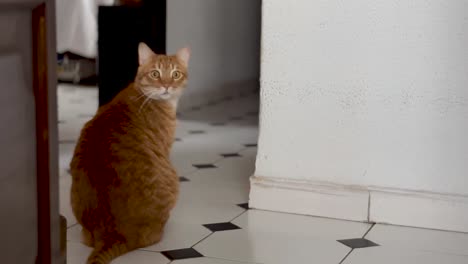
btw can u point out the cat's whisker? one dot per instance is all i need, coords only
(148, 98)
(143, 104)
(140, 96)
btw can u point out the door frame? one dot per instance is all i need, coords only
(44, 86)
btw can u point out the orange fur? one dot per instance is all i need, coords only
(124, 185)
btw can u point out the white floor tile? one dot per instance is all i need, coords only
(185, 126)
(390, 255)
(268, 237)
(419, 239)
(180, 234)
(205, 212)
(208, 261)
(236, 170)
(250, 153)
(187, 153)
(227, 184)
(177, 235)
(202, 191)
(265, 221)
(64, 201)
(238, 135)
(66, 154)
(70, 128)
(77, 253)
(74, 234)
(271, 248)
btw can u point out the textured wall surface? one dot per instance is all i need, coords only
(366, 92)
(225, 40)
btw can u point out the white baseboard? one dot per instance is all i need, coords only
(300, 197)
(419, 209)
(368, 204)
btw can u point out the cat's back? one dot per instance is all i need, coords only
(103, 130)
(122, 134)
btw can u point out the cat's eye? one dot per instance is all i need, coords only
(176, 74)
(154, 74)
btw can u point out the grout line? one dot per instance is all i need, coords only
(214, 162)
(345, 257)
(234, 260)
(351, 251)
(372, 226)
(203, 239)
(154, 251)
(218, 160)
(215, 232)
(72, 226)
(245, 211)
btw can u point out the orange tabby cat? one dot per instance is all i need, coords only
(124, 185)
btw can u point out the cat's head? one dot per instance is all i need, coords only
(162, 77)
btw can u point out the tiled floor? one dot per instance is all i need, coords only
(215, 154)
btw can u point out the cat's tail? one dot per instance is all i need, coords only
(105, 253)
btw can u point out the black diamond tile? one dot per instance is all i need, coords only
(244, 205)
(358, 243)
(177, 139)
(195, 108)
(218, 124)
(61, 122)
(229, 155)
(183, 179)
(196, 132)
(184, 253)
(251, 145)
(221, 227)
(204, 166)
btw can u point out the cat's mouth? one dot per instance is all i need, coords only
(165, 95)
(158, 94)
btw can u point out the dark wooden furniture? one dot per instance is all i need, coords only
(120, 29)
(28, 111)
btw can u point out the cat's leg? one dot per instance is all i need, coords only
(87, 237)
(152, 233)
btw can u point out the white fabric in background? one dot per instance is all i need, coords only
(77, 26)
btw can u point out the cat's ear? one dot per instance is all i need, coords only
(184, 55)
(144, 53)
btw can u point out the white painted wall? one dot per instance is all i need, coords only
(225, 40)
(370, 94)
